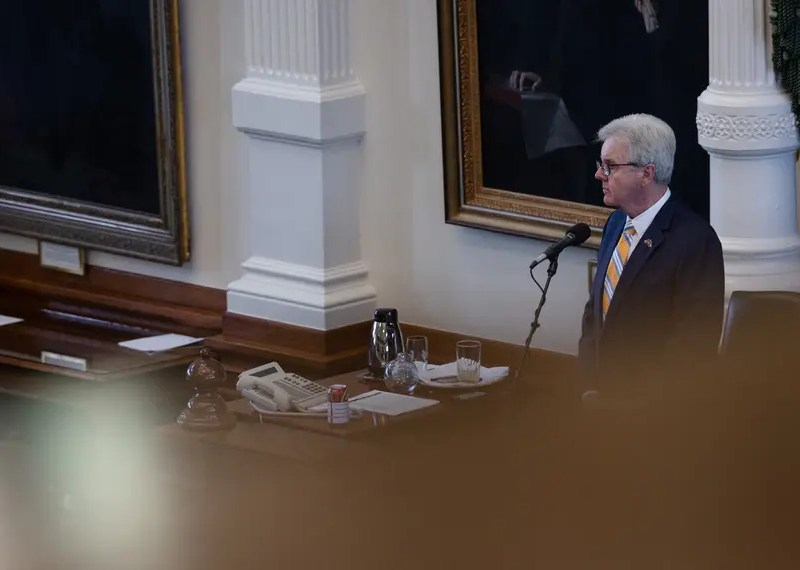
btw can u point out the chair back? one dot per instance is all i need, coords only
(761, 334)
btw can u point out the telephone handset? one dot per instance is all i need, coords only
(271, 389)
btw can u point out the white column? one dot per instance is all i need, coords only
(745, 123)
(302, 107)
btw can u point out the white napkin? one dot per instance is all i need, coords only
(450, 369)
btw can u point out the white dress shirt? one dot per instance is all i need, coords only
(643, 221)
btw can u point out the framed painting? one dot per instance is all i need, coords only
(525, 86)
(91, 126)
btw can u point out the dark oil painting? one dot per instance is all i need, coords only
(526, 85)
(77, 104)
(553, 72)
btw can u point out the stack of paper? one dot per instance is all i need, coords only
(387, 403)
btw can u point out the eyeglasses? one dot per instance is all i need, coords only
(606, 168)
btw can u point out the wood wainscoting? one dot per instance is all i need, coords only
(117, 301)
(247, 342)
(81, 318)
(107, 294)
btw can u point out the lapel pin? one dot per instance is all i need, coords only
(648, 242)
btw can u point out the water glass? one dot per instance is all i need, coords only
(417, 347)
(468, 361)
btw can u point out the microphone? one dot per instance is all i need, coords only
(576, 235)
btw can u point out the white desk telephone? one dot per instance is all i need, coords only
(270, 389)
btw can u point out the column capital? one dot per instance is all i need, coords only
(746, 131)
(745, 122)
(300, 86)
(743, 111)
(299, 42)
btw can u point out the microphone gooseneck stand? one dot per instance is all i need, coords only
(551, 270)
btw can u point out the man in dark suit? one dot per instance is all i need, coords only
(655, 311)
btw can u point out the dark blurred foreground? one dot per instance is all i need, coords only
(703, 476)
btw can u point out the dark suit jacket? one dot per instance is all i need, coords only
(665, 318)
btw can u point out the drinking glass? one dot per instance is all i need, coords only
(417, 347)
(468, 361)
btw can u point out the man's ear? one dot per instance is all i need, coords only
(649, 171)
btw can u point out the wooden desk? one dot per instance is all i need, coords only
(80, 332)
(525, 479)
(451, 403)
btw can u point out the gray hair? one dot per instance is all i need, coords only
(650, 141)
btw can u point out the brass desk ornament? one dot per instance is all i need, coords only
(206, 410)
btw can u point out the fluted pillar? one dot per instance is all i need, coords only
(302, 107)
(745, 123)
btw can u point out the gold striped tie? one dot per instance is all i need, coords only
(617, 263)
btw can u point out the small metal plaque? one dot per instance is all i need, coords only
(62, 257)
(64, 361)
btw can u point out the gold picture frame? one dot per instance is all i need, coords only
(468, 201)
(526, 85)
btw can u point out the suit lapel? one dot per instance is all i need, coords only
(650, 242)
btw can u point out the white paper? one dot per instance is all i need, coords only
(388, 403)
(4, 320)
(160, 342)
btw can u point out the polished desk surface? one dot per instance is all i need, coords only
(524, 476)
(83, 333)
